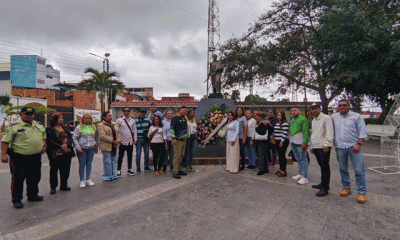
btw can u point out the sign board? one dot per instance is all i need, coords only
(78, 113)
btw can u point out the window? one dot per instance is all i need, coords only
(40, 81)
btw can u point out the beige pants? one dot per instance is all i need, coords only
(232, 156)
(179, 152)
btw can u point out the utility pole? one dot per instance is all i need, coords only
(214, 36)
(105, 62)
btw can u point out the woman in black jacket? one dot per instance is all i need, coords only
(59, 152)
(262, 135)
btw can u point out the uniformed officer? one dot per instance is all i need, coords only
(24, 141)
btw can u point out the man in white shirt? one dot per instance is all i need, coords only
(320, 145)
(250, 149)
(127, 127)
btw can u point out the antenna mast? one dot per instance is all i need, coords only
(214, 36)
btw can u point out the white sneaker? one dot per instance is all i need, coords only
(297, 177)
(302, 181)
(82, 185)
(90, 183)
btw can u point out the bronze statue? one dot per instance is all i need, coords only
(216, 70)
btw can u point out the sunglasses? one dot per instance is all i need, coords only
(342, 105)
(126, 110)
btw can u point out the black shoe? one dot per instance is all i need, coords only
(171, 169)
(319, 186)
(260, 173)
(176, 176)
(322, 193)
(138, 170)
(66, 188)
(242, 168)
(53, 191)
(130, 172)
(164, 168)
(182, 173)
(147, 169)
(18, 205)
(251, 167)
(36, 198)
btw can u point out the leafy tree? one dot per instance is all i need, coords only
(39, 110)
(366, 36)
(100, 81)
(254, 98)
(281, 47)
(235, 95)
(325, 46)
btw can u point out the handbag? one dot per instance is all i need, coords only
(223, 131)
(259, 137)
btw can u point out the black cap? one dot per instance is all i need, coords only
(315, 105)
(27, 110)
(143, 110)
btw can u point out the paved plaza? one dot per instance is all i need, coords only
(210, 204)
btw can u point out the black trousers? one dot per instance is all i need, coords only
(158, 155)
(62, 164)
(122, 149)
(282, 153)
(25, 167)
(263, 156)
(323, 161)
(242, 153)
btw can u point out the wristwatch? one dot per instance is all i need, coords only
(359, 143)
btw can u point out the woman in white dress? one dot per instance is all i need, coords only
(232, 144)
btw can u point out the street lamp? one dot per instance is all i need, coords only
(105, 60)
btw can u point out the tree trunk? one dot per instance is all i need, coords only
(324, 101)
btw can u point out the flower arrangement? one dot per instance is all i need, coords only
(209, 121)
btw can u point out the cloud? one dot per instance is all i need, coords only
(160, 43)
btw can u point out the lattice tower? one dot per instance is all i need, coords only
(214, 36)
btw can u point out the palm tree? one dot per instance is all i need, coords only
(100, 81)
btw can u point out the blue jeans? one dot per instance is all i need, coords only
(169, 155)
(358, 165)
(251, 152)
(189, 151)
(85, 161)
(141, 143)
(109, 166)
(302, 161)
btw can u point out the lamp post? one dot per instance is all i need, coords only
(105, 60)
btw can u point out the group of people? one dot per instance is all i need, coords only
(172, 140)
(259, 137)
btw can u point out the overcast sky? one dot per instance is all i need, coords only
(153, 43)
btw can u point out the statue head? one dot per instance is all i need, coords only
(215, 56)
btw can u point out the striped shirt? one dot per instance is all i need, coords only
(281, 133)
(142, 124)
(126, 135)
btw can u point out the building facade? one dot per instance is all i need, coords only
(31, 71)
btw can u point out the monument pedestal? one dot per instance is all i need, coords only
(211, 151)
(205, 104)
